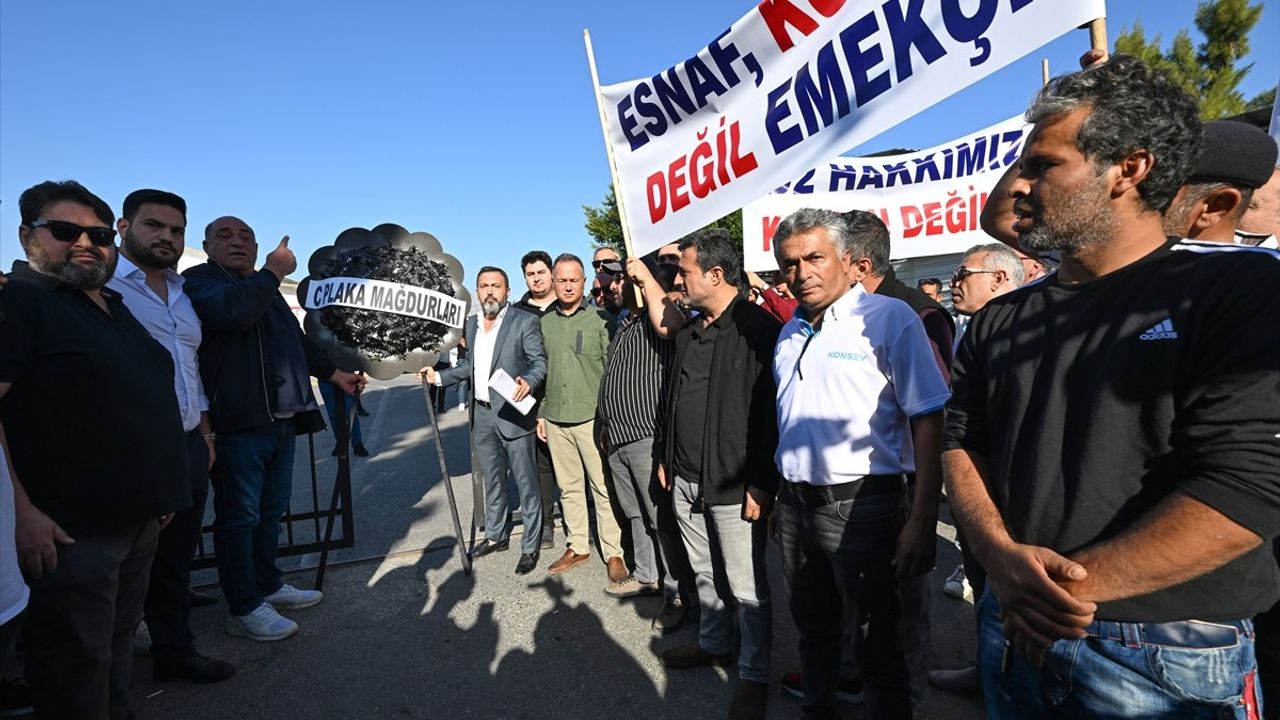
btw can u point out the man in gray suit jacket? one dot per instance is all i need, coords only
(502, 338)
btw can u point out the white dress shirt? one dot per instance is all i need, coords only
(847, 391)
(482, 354)
(174, 325)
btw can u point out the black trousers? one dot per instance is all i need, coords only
(78, 637)
(168, 606)
(546, 483)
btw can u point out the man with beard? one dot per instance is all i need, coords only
(716, 446)
(539, 300)
(91, 426)
(153, 226)
(509, 340)
(255, 361)
(1110, 449)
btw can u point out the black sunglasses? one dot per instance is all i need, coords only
(597, 264)
(70, 232)
(597, 292)
(963, 272)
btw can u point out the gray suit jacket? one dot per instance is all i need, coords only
(519, 352)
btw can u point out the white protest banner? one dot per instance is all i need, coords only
(383, 296)
(929, 199)
(794, 82)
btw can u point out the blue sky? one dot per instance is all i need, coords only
(472, 121)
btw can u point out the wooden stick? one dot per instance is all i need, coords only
(1098, 34)
(608, 146)
(1044, 70)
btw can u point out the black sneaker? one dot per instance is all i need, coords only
(847, 691)
(15, 699)
(358, 449)
(674, 612)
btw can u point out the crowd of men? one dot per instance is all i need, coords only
(1103, 423)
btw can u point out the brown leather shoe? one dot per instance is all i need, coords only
(617, 570)
(690, 656)
(749, 701)
(568, 561)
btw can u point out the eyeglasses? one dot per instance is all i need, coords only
(597, 292)
(70, 232)
(963, 272)
(598, 264)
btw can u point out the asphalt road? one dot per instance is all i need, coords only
(404, 633)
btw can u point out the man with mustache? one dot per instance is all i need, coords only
(509, 340)
(1110, 449)
(153, 226)
(255, 363)
(83, 388)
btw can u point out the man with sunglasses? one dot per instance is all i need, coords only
(255, 362)
(985, 272)
(83, 389)
(153, 227)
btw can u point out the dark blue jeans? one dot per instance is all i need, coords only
(252, 482)
(1176, 670)
(328, 391)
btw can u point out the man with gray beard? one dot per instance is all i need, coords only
(82, 388)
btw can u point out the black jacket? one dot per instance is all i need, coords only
(740, 436)
(235, 314)
(938, 324)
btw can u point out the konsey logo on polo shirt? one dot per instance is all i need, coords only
(856, 357)
(1162, 330)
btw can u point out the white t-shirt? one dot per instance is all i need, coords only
(13, 591)
(847, 393)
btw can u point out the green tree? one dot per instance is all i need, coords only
(605, 228)
(1209, 72)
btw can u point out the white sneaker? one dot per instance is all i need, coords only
(141, 639)
(264, 624)
(957, 585)
(289, 597)
(462, 406)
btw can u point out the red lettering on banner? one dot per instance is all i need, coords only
(827, 7)
(771, 224)
(778, 14)
(912, 221)
(699, 171)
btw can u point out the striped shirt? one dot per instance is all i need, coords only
(635, 381)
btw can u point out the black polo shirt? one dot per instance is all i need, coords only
(92, 422)
(692, 391)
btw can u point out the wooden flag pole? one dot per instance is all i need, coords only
(1044, 70)
(613, 164)
(1098, 34)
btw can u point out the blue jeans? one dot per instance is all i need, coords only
(328, 391)
(1174, 670)
(252, 483)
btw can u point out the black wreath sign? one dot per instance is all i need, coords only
(385, 301)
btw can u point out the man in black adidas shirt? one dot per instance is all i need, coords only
(1112, 448)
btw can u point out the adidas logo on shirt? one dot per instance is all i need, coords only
(1162, 330)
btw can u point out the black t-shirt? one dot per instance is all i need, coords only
(1095, 401)
(694, 378)
(92, 420)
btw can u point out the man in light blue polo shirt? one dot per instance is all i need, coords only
(860, 400)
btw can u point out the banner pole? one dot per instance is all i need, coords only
(1098, 34)
(1044, 71)
(613, 164)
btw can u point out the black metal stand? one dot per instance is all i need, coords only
(444, 478)
(343, 435)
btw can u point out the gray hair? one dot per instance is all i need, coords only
(1000, 257)
(808, 219)
(1133, 107)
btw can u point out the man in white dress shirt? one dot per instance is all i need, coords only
(153, 228)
